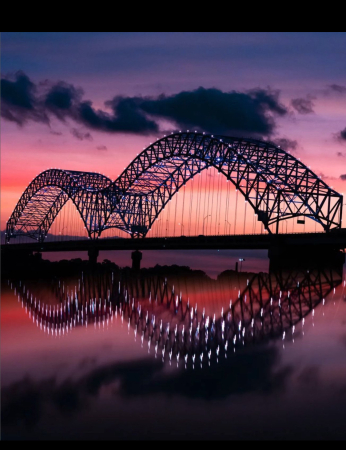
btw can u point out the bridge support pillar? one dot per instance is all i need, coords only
(93, 253)
(136, 257)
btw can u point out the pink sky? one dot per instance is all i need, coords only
(29, 149)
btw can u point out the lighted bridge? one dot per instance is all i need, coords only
(278, 187)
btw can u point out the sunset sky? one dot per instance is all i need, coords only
(92, 101)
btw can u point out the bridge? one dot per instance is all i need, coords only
(278, 187)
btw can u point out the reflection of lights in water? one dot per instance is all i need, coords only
(176, 330)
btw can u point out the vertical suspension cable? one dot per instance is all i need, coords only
(217, 199)
(161, 224)
(175, 213)
(218, 204)
(210, 191)
(168, 216)
(236, 207)
(182, 213)
(68, 220)
(201, 213)
(191, 197)
(205, 197)
(245, 216)
(65, 225)
(197, 203)
(61, 222)
(74, 221)
(224, 210)
(217, 182)
(71, 221)
(227, 225)
(198, 199)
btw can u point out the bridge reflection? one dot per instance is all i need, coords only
(184, 319)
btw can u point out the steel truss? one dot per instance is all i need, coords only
(277, 185)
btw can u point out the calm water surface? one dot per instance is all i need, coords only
(175, 355)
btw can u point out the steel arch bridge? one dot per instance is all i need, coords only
(277, 185)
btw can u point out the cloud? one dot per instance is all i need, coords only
(341, 155)
(126, 117)
(81, 135)
(286, 144)
(343, 177)
(248, 113)
(18, 101)
(22, 101)
(337, 88)
(215, 111)
(101, 147)
(56, 133)
(62, 98)
(303, 105)
(342, 135)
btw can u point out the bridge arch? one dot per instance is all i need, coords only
(45, 197)
(277, 185)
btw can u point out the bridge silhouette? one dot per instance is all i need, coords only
(278, 187)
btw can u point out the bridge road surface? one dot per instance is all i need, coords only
(324, 241)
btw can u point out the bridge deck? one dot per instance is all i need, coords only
(332, 240)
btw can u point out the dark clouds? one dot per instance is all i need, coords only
(218, 112)
(101, 147)
(342, 135)
(249, 113)
(22, 101)
(303, 105)
(337, 88)
(19, 93)
(62, 98)
(127, 117)
(343, 177)
(18, 100)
